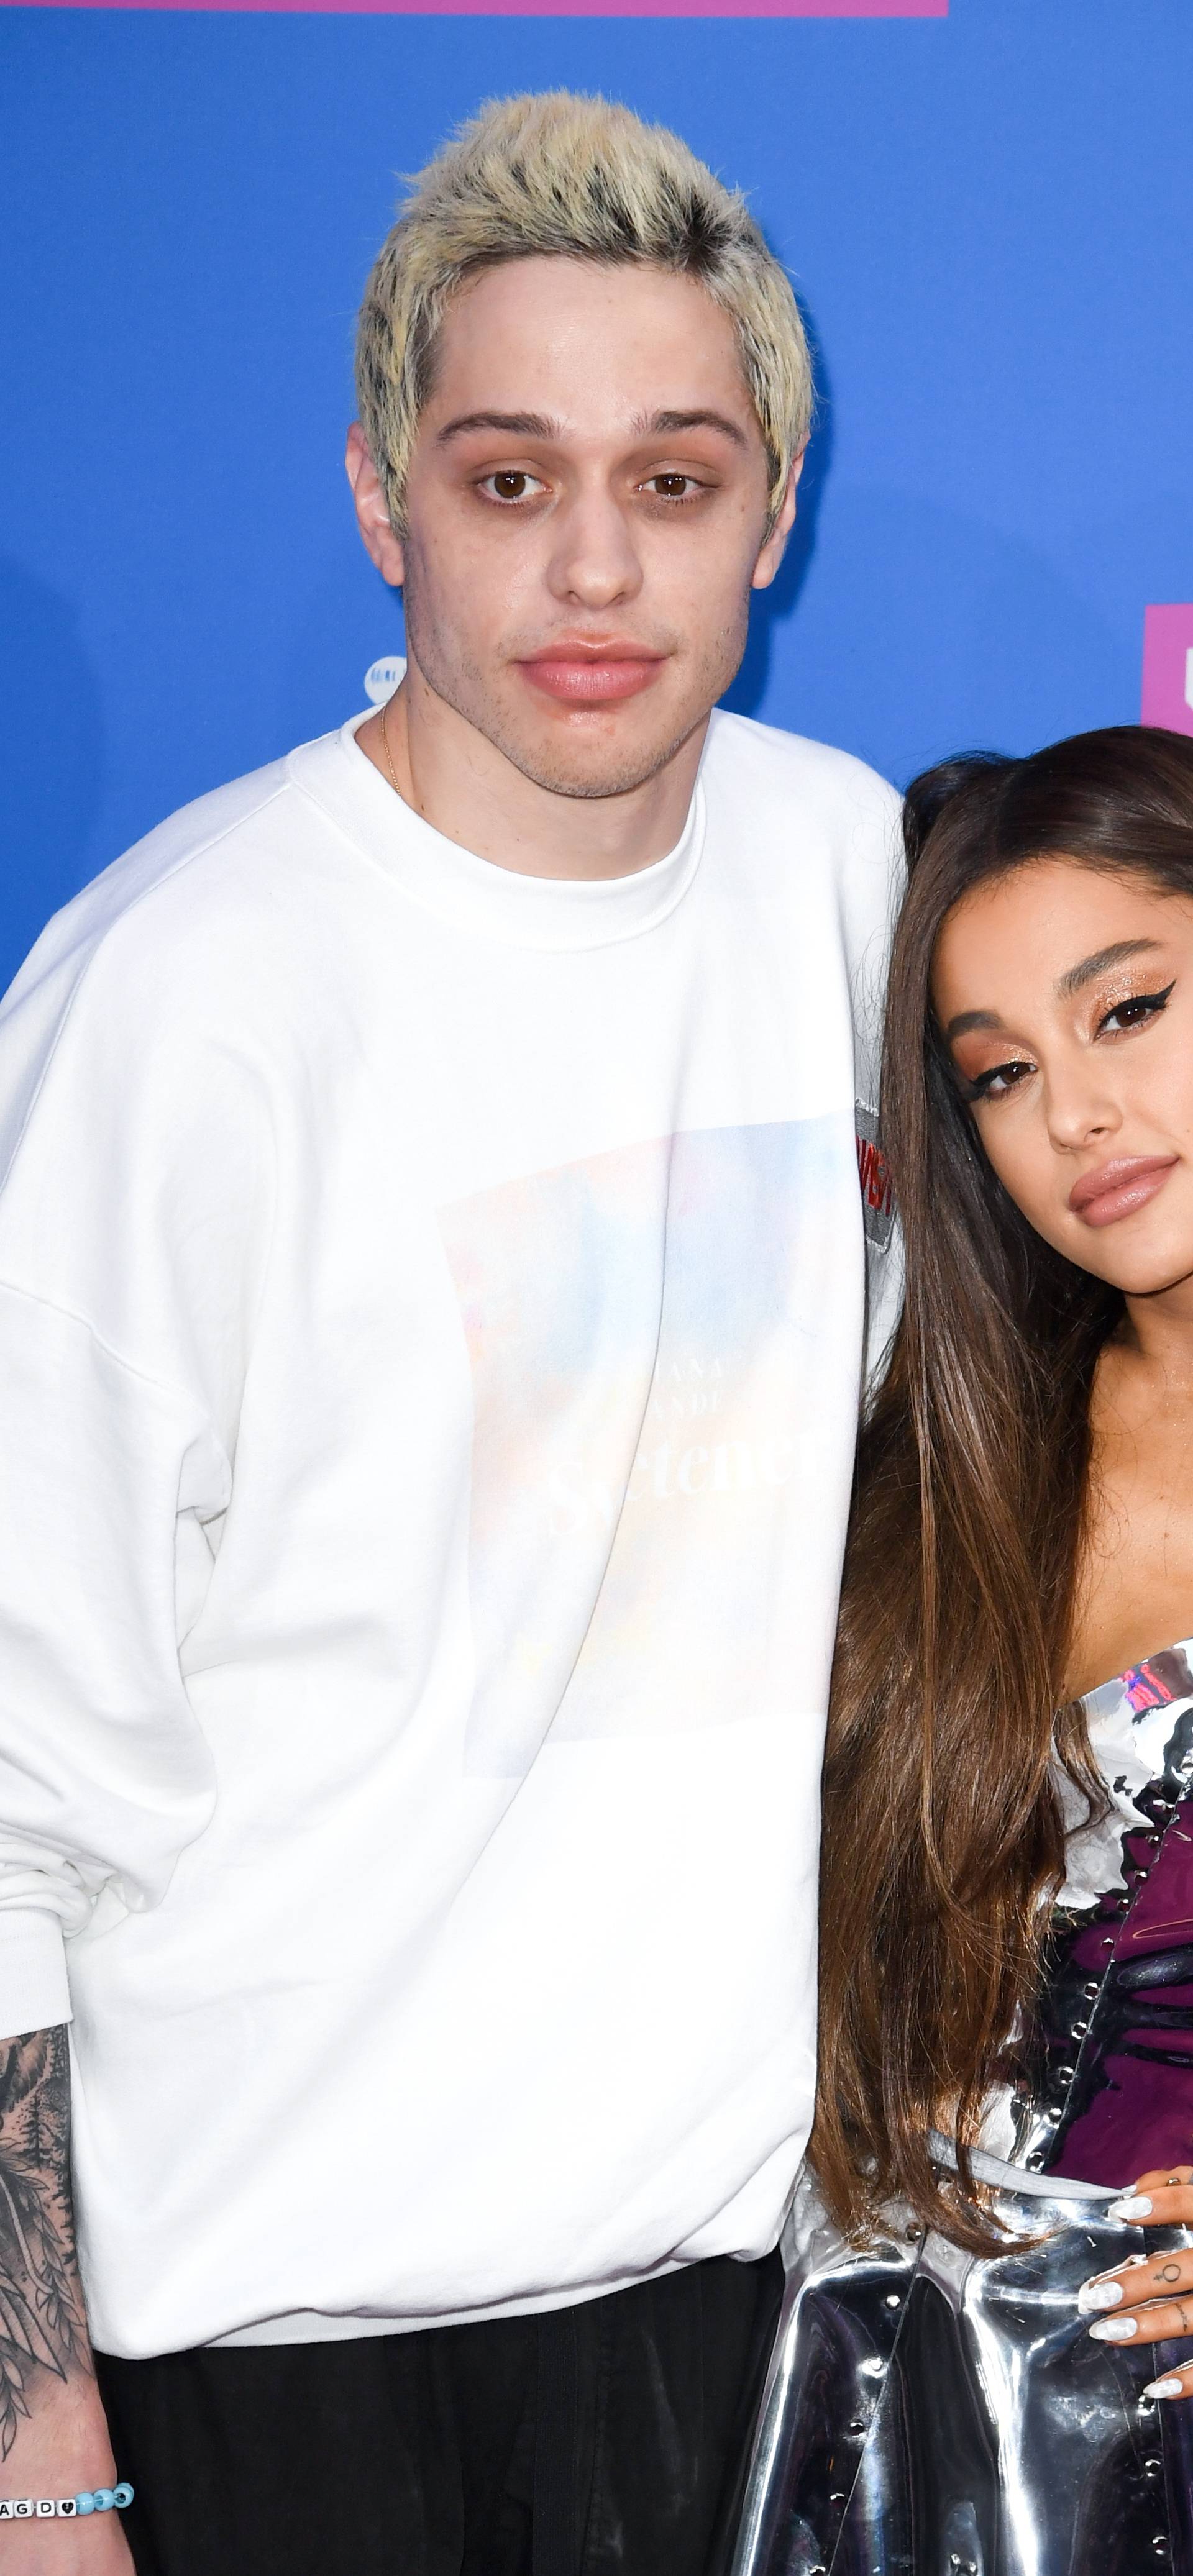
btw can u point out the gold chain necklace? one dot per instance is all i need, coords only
(385, 740)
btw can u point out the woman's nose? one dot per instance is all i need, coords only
(1080, 1112)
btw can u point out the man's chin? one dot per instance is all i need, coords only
(577, 760)
(590, 771)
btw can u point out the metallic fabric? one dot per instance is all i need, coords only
(933, 2413)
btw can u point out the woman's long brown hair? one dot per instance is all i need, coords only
(943, 1835)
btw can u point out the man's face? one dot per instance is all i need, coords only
(586, 514)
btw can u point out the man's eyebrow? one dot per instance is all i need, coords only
(534, 424)
(670, 424)
(1077, 976)
(510, 424)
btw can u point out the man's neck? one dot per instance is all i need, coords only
(459, 782)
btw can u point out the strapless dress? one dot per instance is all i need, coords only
(932, 2413)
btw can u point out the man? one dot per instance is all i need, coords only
(431, 1296)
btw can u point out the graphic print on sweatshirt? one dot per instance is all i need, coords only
(657, 1378)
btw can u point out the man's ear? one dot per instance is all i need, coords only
(776, 544)
(372, 514)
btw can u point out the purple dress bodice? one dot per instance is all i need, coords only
(1103, 2091)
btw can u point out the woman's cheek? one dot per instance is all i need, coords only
(1007, 1157)
(1029, 1178)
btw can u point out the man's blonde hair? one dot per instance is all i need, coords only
(586, 179)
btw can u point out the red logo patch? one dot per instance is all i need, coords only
(874, 1173)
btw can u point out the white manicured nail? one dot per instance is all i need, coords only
(1115, 2329)
(1135, 2205)
(1099, 2294)
(1165, 2388)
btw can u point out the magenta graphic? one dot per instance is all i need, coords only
(1168, 667)
(541, 8)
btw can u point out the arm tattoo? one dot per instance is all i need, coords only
(41, 2308)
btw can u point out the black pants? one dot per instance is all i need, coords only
(600, 2440)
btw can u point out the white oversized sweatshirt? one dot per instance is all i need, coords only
(431, 1308)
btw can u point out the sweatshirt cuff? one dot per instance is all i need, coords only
(34, 1994)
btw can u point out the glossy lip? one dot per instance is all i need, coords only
(592, 675)
(1117, 1189)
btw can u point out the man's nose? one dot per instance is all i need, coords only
(593, 559)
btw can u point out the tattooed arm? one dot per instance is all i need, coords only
(42, 2327)
(53, 2437)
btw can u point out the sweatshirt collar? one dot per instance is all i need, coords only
(473, 893)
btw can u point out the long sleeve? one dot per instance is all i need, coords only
(104, 1776)
(131, 1206)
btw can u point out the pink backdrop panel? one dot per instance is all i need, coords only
(1168, 667)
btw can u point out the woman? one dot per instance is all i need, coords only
(984, 2341)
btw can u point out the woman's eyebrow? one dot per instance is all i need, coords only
(1076, 976)
(1072, 981)
(967, 1020)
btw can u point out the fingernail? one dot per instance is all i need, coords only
(1135, 2205)
(1099, 2294)
(1165, 2388)
(1115, 2329)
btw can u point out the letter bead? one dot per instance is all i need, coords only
(64, 2508)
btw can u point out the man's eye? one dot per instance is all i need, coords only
(672, 487)
(512, 483)
(1135, 1011)
(1000, 1078)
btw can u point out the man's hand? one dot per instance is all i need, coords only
(1149, 2299)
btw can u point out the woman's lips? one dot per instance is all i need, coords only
(590, 679)
(1118, 1189)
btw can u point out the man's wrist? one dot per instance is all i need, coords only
(63, 2446)
(66, 2508)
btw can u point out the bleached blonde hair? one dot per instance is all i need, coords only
(582, 178)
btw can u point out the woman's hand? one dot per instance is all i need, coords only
(1149, 2297)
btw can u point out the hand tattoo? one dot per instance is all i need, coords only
(41, 2310)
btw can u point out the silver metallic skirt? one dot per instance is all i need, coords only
(932, 2413)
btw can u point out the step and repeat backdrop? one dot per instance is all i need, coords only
(987, 206)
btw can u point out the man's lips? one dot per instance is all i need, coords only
(1117, 1189)
(592, 679)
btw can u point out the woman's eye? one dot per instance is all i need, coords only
(672, 487)
(1135, 1011)
(998, 1080)
(512, 483)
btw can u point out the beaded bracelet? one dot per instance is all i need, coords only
(92, 2500)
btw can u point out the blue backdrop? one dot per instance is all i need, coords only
(990, 221)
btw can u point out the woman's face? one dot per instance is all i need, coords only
(1066, 1000)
